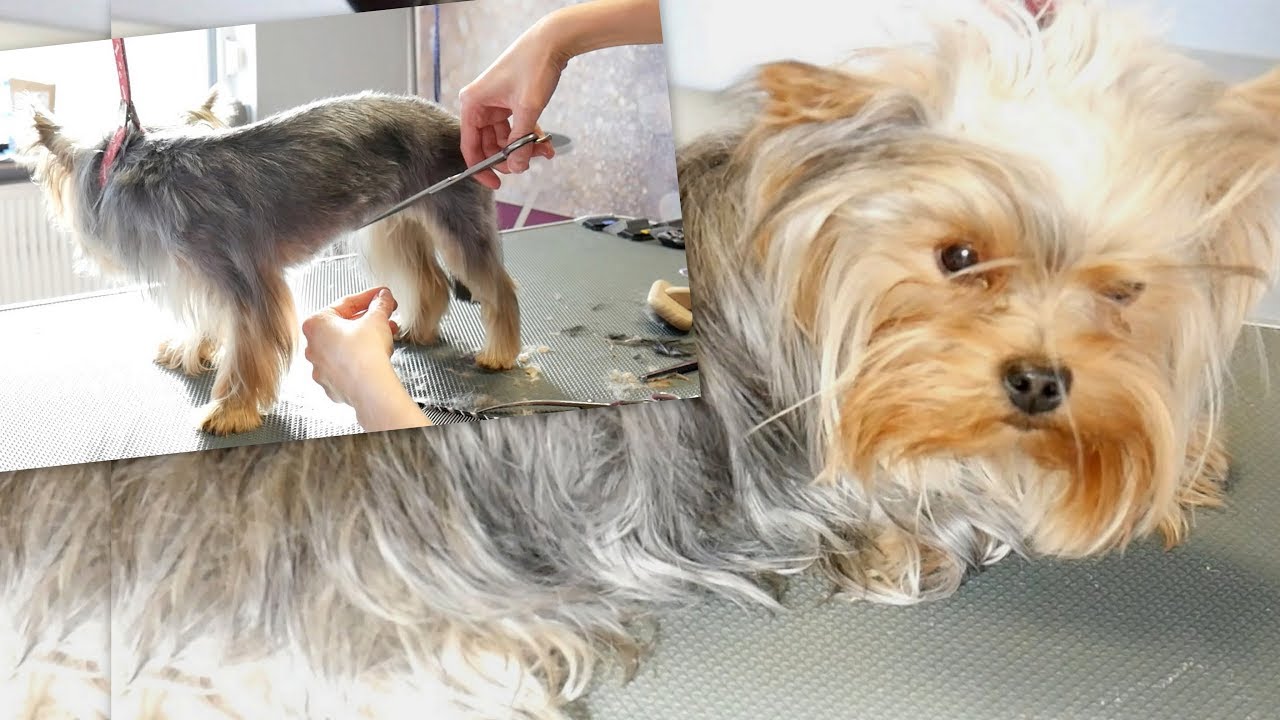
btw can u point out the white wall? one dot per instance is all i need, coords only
(37, 23)
(303, 60)
(1239, 27)
(89, 17)
(712, 43)
(132, 15)
(16, 35)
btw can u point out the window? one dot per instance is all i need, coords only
(168, 74)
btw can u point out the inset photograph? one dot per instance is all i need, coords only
(146, 17)
(197, 227)
(985, 294)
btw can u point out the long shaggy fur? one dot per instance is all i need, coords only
(213, 216)
(853, 421)
(54, 586)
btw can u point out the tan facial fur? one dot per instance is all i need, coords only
(1118, 206)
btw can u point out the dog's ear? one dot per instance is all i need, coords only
(797, 92)
(47, 135)
(211, 98)
(222, 104)
(1263, 94)
(218, 110)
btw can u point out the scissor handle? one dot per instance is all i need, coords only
(521, 142)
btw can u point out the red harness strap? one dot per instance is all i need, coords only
(1042, 10)
(126, 104)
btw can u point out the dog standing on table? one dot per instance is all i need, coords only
(215, 215)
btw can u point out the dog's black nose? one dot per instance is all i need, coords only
(1035, 388)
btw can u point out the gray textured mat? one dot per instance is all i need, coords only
(78, 383)
(1189, 635)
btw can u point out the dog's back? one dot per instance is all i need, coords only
(282, 188)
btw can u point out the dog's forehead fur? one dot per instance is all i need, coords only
(1114, 118)
(1111, 119)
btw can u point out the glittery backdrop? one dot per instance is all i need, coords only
(612, 103)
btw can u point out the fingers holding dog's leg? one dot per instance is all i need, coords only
(256, 351)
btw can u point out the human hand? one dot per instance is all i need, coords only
(349, 347)
(506, 100)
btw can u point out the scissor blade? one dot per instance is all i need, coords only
(557, 141)
(415, 198)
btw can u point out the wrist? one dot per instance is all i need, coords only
(558, 37)
(384, 404)
(589, 26)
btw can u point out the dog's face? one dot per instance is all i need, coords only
(1033, 249)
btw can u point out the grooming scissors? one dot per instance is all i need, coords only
(557, 141)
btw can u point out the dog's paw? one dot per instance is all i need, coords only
(895, 568)
(492, 360)
(222, 417)
(419, 336)
(179, 355)
(1203, 484)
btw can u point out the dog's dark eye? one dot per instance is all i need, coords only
(956, 257)
(1123, 293)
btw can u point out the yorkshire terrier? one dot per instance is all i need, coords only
(212, 214)
(957, 301)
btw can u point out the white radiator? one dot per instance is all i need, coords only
(37, 261)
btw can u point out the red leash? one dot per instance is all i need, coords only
(126, 104)
(1042, 10)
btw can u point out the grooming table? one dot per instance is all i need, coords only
(1193, 634)
(79, 385)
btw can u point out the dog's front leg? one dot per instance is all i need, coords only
(1202, 483)
(257, 348)
(193, 354)
(895, 567)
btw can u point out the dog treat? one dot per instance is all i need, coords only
(673, 304)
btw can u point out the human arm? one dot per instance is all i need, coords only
(506, 100)
(349, 347)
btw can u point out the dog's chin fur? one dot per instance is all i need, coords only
(1123, 206)
(210, 215)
